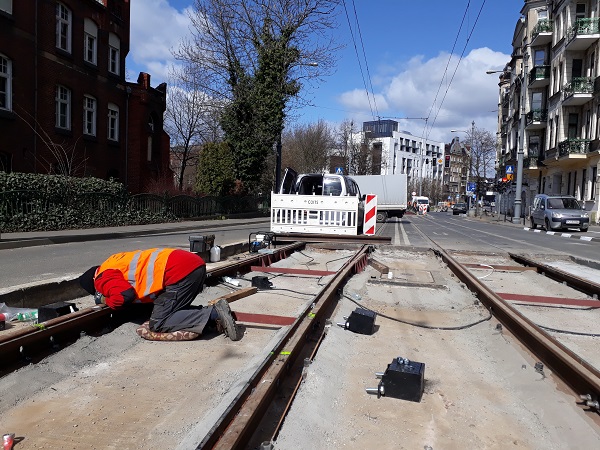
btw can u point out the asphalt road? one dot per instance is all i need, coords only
(22, 266)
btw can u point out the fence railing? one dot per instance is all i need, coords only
(34, 210)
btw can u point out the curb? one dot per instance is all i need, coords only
(565, 235)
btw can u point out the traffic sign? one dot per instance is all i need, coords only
(339, 170)
(509, 177)
(510, 169)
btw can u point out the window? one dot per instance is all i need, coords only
(577, 68)
(539, 58)
(89, 115)
(5, 83)
(6, 6)
(583, 183)
(573, 125)
(63, 108)
(114, 54)
(594, 176)
(63, 27)
(113, 122)
(90, 39)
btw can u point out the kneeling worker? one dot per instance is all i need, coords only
(171, 279)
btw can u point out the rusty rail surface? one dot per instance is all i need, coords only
(237, 424)
(579, 375)
(581, 284)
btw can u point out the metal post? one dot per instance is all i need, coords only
(517, 213)
(421, 170)
(471, 162)
(278, 165)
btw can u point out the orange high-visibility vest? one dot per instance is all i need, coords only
(143, 269)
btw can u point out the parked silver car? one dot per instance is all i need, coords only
(555, 212)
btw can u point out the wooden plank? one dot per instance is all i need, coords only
(286, 270)
(380, 267)
(235, 295)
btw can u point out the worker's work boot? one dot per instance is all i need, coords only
(226, 323)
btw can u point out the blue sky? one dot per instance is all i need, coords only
(407, 46)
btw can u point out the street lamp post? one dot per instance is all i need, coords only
(520, 152)
(472, 133)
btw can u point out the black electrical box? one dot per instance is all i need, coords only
(200, 244)
(361, 321)
(261, 282)
(54, 310)
(403, 379)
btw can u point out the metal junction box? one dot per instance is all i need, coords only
(404, 379)
(361, 321)
(201, 244)
(54, 310)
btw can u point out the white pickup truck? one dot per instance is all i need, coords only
(317, 203)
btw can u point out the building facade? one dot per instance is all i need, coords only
(65, 106)
(549, 102)
(456, 164)
(402, 152)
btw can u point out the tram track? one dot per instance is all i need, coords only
(236, 425)
(582, 377)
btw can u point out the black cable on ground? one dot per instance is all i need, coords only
(395, 319)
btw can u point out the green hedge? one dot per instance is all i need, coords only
(33, 202)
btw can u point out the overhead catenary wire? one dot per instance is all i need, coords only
(457, 66)
(358, 56)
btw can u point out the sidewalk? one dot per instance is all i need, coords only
(35, 238)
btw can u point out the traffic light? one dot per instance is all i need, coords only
(447, 161)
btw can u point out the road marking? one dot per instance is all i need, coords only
(586, 238)
(396, 233)
(566, 235)
(404, 235)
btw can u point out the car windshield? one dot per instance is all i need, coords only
(563, 203)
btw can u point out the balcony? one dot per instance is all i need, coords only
(542, 33)
(539, 76)
(578, 92)
(583, 34)
(536, 119)
(573, 146)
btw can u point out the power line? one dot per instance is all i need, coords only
(358, 58)
(457, 65)
(365, 57)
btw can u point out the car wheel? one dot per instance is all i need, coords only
(547, 224)
(583, 230)
(532, 223)
(381, 216)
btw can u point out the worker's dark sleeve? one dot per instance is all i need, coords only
(116, 290)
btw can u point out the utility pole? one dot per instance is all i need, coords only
(517, 214)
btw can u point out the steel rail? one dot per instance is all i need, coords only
(237, 424)
(581, 284)
(578, 374)
(15, 346)
(345, 239)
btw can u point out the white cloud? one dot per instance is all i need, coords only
(156, 29)
(422, 89)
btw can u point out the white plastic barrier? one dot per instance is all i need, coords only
(314, 214)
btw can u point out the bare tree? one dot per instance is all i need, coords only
(63, 158)
(306, 147)
(191, 120)
(227, 36)
(357, 150)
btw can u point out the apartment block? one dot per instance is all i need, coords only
(402, 152)
(549, 102)
(65, 106)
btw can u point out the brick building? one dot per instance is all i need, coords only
(65, 106)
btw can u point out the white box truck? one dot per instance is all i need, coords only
(390, 190)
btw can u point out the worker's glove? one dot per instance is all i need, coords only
(99, 299)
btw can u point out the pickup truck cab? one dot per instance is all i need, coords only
(318, 184)
(323, 185)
